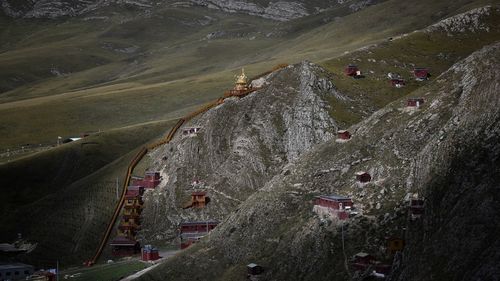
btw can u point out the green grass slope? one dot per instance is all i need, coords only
(84, 75)
(63, 198)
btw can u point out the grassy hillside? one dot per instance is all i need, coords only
(434, 50)
(64, 197)
(86, 75)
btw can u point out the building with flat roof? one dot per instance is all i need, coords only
(15, 271)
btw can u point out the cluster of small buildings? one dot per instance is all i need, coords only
(420, 74)
(125, 243)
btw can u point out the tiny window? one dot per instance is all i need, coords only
(16, 272)
(8, 274)
(26, 272)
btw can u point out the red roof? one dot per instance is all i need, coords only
(132, 194)
(420, 72)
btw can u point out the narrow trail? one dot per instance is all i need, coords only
(140, 154)
(223, 194)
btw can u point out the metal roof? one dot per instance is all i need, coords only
(198, 222)
(15, 266)
(334, 197)
(252, 265)
(362, 254)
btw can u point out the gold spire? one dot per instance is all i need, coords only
(242, 78)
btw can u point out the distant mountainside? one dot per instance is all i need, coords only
(279, 10)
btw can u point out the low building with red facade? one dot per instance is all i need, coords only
(192, 232)
(150, 253)
(351, 70)
(123, 246)
(343, 135)
(414, 102)
(363, 177)
(334, 201)
(421, 73)
(41, 276)
(361, 261)
(198, 226)
(150, 180)
(338, 205)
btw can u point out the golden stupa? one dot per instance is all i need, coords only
(241, 81)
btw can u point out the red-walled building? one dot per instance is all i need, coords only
(421, 73)
(192, 232)
(334, 201)
(340, 206)
(363, 177)
(414, 102)
(351, 70)
(150, 180)
(198, 226)
(123, 246)
(134, 191)
(41, 276)
(343, 134)
(150, 253)
(361, 261)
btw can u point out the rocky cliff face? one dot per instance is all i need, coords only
(459, 173)
(446, 152)
(275, 10)
(240, 146)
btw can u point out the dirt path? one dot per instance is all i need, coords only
(165, 255)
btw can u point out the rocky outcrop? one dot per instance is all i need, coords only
(470, 21)
(63, 8)
(280, 10)
(275, 10)
(446, 151)
(241, 145)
